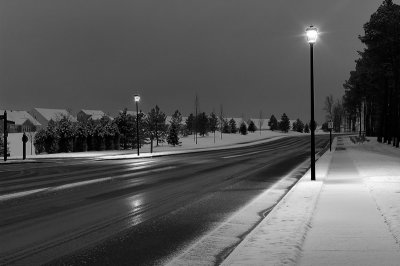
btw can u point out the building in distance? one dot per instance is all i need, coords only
(44, 115)
(85, 114)
(24, 122)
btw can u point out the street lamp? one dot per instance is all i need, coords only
(137, 99)
(312, 35)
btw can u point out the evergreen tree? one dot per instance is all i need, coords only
(298, 126)
(2, 145)
(243, 129)
(232, 125)
(202, 124)
(190, 124)
(173, 132)
(252, 127)
(126, 126)
(273, 123)
(226, 127)
(374, 86)
(156, 126)
(65, 131)
(213, 123)
(284, 124)
(173, 138)
(51, 137)
(111, 132)
(91, 128)
(81, 133)
(306, 128)
(176, 119)
(39, 141)
(98, 136)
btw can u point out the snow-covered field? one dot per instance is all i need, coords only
(187, 143)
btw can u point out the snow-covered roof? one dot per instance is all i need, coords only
(94, 114)
(20, 117)
(54, 114)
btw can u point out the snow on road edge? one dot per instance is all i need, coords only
(277, 240)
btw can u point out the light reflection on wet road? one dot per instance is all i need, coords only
(133, 211)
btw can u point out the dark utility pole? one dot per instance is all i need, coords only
(330, 139)
(221, 113)
(312, 112)
(6, 122)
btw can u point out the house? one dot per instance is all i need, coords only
(24, 122)
(44, 115)
(92, 114)
(257, 121)
(132, 113)
(238, 121)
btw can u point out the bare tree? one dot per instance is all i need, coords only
(221, 118)
(329, 102)
(31, 135)
(337, 115)
(196, 107)
(260, 121)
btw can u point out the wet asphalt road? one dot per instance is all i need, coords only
(133, 211)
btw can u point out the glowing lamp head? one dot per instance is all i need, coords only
(137, 98)
(312, 34)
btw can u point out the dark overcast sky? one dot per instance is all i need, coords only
(248, 55)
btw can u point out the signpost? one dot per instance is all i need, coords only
(6, 122)
(330, 127)
(24, 141)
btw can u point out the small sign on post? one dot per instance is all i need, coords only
(330, 127)
(24, 141)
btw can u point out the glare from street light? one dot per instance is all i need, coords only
(312, 34)
(137, 98)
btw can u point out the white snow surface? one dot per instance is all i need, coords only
(278, 238)
(349, 216)
(188, 145)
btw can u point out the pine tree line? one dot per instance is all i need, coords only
(64, 135)
(373, 88)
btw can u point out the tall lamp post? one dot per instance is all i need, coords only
(312, 35)
(137, 99)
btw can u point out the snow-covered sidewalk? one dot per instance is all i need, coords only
(349, 216)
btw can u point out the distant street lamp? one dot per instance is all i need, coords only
(312, 35)
(137, 99)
